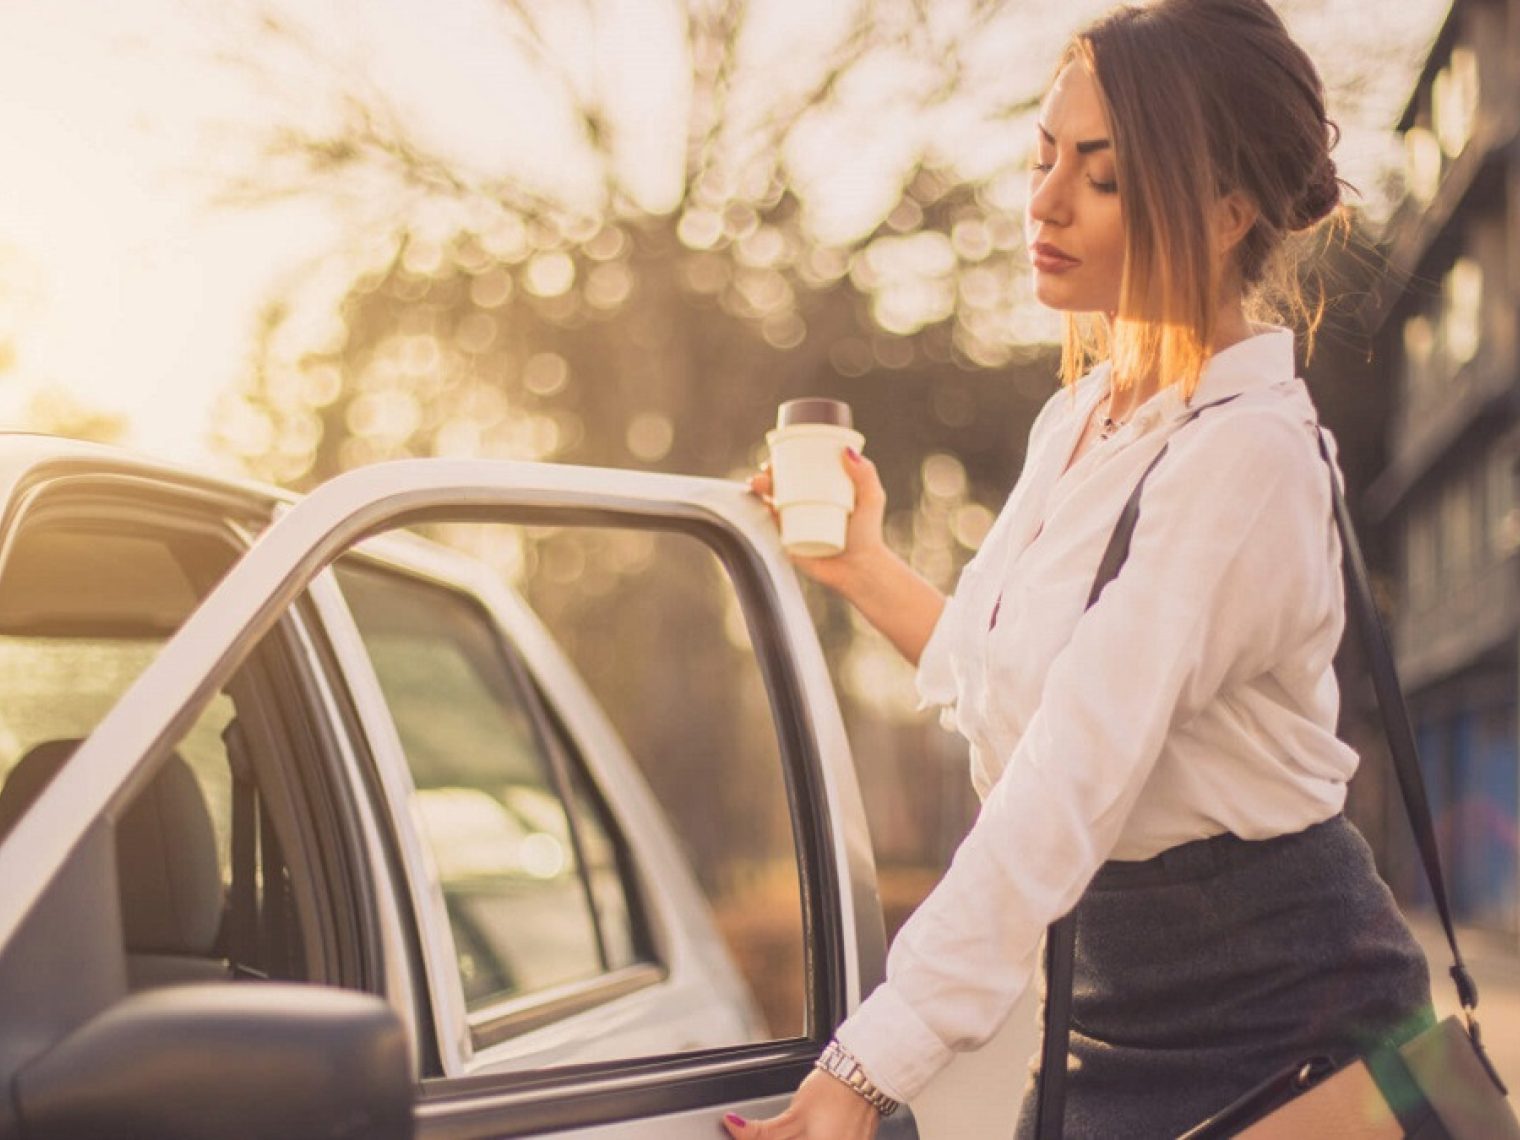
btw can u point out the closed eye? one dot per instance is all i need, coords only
(1101, 187)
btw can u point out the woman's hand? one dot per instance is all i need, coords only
(822, 1108)
(863, 542)
(888, 592)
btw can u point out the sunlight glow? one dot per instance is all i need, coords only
(126, 287)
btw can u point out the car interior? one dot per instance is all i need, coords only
(188, 879)
(202, 886)
(173, 904)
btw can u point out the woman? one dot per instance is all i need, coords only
(1165, 762)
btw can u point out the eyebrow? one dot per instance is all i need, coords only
(1086, 146)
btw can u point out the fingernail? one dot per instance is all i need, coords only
(736, 1120)
(853, 454)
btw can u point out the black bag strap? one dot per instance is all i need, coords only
(1061, 937)
(1406, 764)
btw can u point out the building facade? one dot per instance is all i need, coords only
(1443, 321)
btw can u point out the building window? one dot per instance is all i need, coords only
(1461, 310)
(1457, 531)
(1454, 100)
(1503, 511)
(1419, 355)
(1422, 163)
(1476, 482)
(1419, 557)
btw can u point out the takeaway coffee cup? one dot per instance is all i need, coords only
(812, 492)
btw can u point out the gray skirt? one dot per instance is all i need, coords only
(1201, 972)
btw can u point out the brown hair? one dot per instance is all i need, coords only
(1203, 97)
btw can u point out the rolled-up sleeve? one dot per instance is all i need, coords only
(1224, 568)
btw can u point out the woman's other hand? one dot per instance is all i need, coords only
(863, 542)
(822, 1108)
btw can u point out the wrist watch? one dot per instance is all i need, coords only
(837, 1061)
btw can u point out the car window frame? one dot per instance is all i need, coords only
(461, 1052)
(530, 1102)
(319, 804)
(387, 903)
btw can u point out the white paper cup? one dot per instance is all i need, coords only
(812, 492)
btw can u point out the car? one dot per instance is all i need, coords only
(312, 825)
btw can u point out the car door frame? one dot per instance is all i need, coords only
(847, 949)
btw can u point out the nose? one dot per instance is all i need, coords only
(1049, 199)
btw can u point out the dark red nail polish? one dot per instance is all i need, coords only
(735, 1119)
(853, 454)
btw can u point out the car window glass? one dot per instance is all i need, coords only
(654, 624)
(57, 688)
(84, 609)
(495, 822)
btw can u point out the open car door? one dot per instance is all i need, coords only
(61, 983)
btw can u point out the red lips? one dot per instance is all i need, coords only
(1046, 249)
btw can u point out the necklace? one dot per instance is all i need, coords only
(1108, 426)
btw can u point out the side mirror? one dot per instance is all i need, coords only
(248, 1059)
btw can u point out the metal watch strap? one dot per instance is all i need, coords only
(840, 1063)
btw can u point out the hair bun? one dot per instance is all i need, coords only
(1320, 196)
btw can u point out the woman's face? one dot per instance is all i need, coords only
(1074, 201)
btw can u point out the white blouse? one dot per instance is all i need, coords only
(1196, 697)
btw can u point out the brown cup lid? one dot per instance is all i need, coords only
(814, 410)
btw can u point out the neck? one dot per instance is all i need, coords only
(1231, 328)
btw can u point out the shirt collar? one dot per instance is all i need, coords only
(1262, 359)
